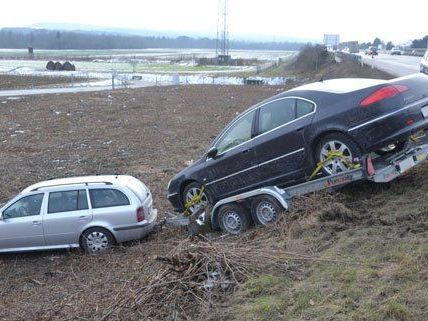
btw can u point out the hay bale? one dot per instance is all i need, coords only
(58, 66)
(68, 66)
(50, 65)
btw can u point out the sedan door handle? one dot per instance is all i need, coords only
(246, 151)
(37, 223)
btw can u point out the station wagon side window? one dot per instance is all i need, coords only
(107, 197)
(304, 107)
(276, 113)
(26, 206)
(238, 133)
(67, 201)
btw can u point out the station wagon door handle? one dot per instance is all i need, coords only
(83, 217)
(37, 223)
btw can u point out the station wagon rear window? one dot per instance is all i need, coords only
(107, 197)
(67, 201)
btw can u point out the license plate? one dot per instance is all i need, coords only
(406, 164)
(424, 111)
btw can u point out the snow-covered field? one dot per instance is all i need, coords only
(135, 68)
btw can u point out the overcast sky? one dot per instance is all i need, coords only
(274, 19)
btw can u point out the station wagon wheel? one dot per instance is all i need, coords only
(96, 240)
(191, 191)
(265, 210)
(337, 142)
(233, 219)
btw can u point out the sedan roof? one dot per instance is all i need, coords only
(340, 86)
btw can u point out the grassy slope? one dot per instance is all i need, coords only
(380, 230)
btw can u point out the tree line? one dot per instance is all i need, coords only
(19, 38)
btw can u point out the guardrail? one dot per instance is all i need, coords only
(348, 56)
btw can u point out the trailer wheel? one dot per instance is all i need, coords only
(233, 219)
(265, 210)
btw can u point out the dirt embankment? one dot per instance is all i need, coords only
(314, 63)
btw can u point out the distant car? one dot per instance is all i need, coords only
(372, 51)
(395, 51)
(91, 212)
(279, 141)
(424, 63)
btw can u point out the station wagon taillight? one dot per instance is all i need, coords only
(140, 214)
(383, 93)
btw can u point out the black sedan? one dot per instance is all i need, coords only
(280, 140)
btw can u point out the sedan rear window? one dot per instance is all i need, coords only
(304, 107)
(107, 197)
(276, 113)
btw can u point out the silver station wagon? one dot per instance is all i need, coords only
(92, 212)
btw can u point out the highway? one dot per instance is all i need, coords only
(395, 65)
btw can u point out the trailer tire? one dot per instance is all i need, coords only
(233, 219)
(265, 210)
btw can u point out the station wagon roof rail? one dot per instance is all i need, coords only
(71, 183)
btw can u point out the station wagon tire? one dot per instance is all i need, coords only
(96, 240)
(191, 190)
(336, 142)
(233, 219)
(265, 210)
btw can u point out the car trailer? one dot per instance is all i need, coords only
(233, 215)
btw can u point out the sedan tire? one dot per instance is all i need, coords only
(340, 143)
(96, 240)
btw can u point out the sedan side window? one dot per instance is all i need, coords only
(237, 134)
(67, 201)
(276, 113)
(304, 107)
(107, 197)
(26, 206)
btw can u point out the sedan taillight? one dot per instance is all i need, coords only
(140, 214)
(383, 93)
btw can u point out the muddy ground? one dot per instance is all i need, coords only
(28, 82)
(365, 246)
(149, 133)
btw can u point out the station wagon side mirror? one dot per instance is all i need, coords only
(212, 153)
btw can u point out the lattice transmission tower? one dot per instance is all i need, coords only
(222, 43)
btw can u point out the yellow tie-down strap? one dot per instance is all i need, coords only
(330, 156)
(193, 201)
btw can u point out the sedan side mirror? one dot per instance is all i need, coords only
(212, 153)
